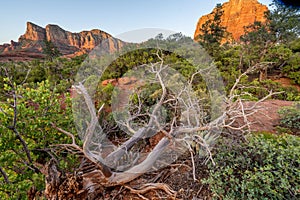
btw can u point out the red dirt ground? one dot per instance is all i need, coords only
(267, 117)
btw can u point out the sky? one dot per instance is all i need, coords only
(112, 16)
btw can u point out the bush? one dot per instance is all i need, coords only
(37, 107)
(290, 117)
(259, 89)
(267, 167)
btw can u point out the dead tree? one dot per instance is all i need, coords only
(189, 122)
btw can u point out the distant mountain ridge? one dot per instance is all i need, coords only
(30, 45)
(236, 15)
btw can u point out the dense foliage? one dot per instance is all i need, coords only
(290, 117)
(266, 167)
(27, 135)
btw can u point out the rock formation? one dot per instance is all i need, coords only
(33, 33)
(30, 45)
(236, 15)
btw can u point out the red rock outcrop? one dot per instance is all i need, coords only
(33, 32)
(30, 45)
(236, 15)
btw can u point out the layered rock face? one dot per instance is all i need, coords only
(236, 15)
(33, 32)
(30, 45)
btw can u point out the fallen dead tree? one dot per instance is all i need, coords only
(180, 116)
(96, 172)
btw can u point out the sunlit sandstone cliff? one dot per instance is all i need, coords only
(30, 45)
(236, 15)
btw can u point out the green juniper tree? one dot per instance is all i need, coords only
(50, 50)
(284, 22)
(263, 40)
(212, 32)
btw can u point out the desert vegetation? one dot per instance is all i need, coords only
(69, 129)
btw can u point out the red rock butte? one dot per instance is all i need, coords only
(236, 15)
(30, 45)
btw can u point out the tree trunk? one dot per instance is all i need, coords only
(85, 183)
(262, 74)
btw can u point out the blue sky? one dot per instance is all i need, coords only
(112, 16)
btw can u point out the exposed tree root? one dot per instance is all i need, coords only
(152, 186)
(87, 184)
